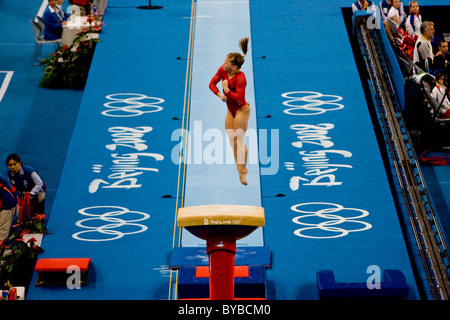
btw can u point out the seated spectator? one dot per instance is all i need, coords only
(385, 6)
(363, 5)
(26, 179)
(395, 14)
(53, 21)
(385, 9)
(414, 19)
(440, 94)
(423, 50)
(8, 203)
(441, 60)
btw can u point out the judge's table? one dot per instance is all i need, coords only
(75, 25)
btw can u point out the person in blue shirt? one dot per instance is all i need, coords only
(54, 21)
(26, 179)
(8, 203)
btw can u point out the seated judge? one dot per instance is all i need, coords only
(54, 21)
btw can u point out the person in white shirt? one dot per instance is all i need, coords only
(385, 6)
(414, 19)
(394, 12)
(440, 94)
(423, 50)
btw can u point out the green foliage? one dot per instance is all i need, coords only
(20, 253)
(68, 67)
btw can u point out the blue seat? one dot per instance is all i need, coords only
(394, 286)
(191, 286)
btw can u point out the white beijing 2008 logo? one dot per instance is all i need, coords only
(332, 219)
(107, 223)
(307, 103)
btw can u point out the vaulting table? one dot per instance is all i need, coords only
(221, 226)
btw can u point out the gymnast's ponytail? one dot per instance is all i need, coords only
(243, 44)
(237, 59)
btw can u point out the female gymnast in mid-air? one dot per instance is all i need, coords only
(236, 119)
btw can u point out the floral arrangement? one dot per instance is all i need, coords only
(19, 254)
(68, 67)
(19, 251)
(94, 22)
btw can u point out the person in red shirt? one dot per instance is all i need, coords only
(236, 119)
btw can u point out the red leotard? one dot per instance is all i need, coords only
(236, 95)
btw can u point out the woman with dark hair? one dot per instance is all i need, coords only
(236, 119)
(26, 179)
(441, 59)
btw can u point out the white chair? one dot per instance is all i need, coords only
(39, 42)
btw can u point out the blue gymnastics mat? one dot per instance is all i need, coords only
(318, 172)
(117, 194)
(334, 208)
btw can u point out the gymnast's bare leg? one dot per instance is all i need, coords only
(236, 128)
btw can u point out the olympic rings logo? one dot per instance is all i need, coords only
(326, 219)
(115, 228)
(306, 103)
(131, 105)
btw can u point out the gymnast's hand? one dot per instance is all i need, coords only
(222, 96)
(226, 89)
